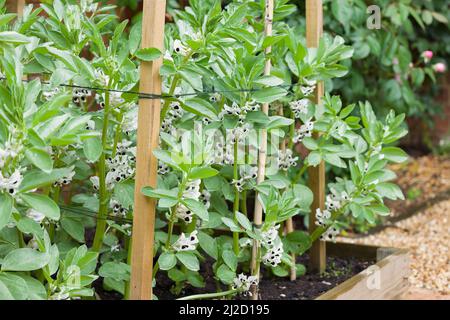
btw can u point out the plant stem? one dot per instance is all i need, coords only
(236, 199)
(300, 173)
(209, 295)
(103, 193)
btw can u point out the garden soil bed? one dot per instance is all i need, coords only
(306, 287)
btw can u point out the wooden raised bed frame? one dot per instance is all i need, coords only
(391, 269)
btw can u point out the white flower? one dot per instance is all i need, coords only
(304, 131)
(215, 97)
(192, 190)
(65, 180)
(163, 168)
(238, 184)
(188, 243)
(12, 183)
(286, 160)
(205, 198)
(95, 182)
(251, 106)
(184, 213)
(80, 95)
(115, 248)
(299, 107)
(270, 236)
(322, 217)
(330, 234)
(49, 94)
(242, 283)
(273, 255)
(118, 209)
(248, 172)
(245, 242)
(179, 48)
(331, 203)
(90, 125)
(168, 56)
(175, 110)
(35, 215)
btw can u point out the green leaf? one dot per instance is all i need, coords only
(394, 154)
(92, 149)
(148, 54)
(390, 191)
(314, 158)
(43, 204)
(202, 173)
(197, 208)
(225, 274)
(189, 260)
(118, 271)
(269, 95)
(40, 159)
(230, 259)
(243, 221)
(13, 287)
(208, 244)
(13, 37)
(36, 178)
(159, 193)
(200, 107)
(167, 260)
(74, 228)
(310, 143)
(6, 206)
(25, 259)
(269, 81)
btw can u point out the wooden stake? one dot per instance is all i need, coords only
(314, 30)
(262, 154)
(15, 6)
(146, 165)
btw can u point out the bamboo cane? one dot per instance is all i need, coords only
(146, 165)
(262, 154)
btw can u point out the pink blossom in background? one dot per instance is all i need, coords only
(428, 54)
(439, 67)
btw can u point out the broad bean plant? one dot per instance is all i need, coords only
(68, 121)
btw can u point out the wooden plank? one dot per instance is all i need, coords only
(385, 280)
(314, 30)
(146, 165)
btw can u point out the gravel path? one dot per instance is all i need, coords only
(427, 236)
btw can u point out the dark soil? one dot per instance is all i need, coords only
(306, 287)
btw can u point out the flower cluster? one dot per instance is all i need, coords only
(299, 107)
(192, 190)
(175, 112)
(330, 234)
(188, 243)
(80, 95)
(11, 184)
(11, 148)
(118, 209)
(274, 248)
(64, 180)
(247, 174)
(121, 167)
(205, 198)
(305, 130)
(163, 168)
(286, 159)
(184, 213)
(242, 283)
